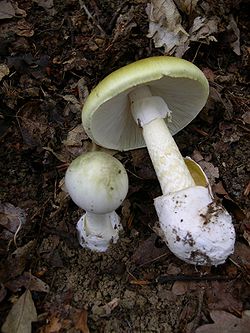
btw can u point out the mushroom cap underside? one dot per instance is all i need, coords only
(106, 114)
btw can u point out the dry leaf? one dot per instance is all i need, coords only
(165, 25)
(28, 281)
(54, 325)
(11, 218)
(9, 9)
(3, 293)
(81, 321)
(105, 310)
(246, 117)
(235, 35)
(75, 136)
(225, 322)
(47, 5)
(21, 315)
(15, 263)
(223, 296)
(186, 6)
(4, 70)
(241, 256)
(148, 251)
(6, 10)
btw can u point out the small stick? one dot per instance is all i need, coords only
(173, 278)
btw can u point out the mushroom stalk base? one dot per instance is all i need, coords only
(97, 231)
(149, 111)
(195, 228)
(168, 162)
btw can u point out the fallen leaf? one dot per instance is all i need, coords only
(80, 320)
(83, 91)
(241, 256)
(24, 28)
(223, 296)
(54, 325)
(3, 293)
(15, 263)
(4, 70)
(143, 170)
(186, 6)
(234, 35)
(246, 117)
(75, 136)
(105, 310)
(11, 218)
(47, 5)
(34, 124)
(20, 28)
(181, 287)
(166, 29)
(6, 10)
(21, 315)
(225, 322)
(150, 250)
(204, 29)
(28, 281)
(165, 25)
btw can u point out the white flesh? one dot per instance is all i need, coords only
(149, 111)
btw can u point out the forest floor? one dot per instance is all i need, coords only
(51, 56)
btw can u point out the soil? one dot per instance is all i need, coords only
(137, 285)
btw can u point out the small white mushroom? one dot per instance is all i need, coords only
(98, 183)
(144, 104)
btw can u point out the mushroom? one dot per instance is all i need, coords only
(144, 104)
(98, 183)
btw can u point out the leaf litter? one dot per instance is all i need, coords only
(21, 315)
(49, 63)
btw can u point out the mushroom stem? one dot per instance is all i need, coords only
(149, 111)
(100, 224)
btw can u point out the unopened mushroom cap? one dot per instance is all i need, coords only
(97, 182)
(106, 114)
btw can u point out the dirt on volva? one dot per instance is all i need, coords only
(51, 55)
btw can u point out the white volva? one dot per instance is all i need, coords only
(195, 228)
(98, 183)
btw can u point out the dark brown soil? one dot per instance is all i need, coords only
(137, 285)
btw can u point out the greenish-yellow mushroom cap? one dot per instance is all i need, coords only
(106, 114)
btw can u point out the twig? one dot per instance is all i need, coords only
(173, 278)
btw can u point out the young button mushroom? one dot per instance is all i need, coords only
(98, 183)
(144, 104)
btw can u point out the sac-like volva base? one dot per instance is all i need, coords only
(97, 235)
(195, 228)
